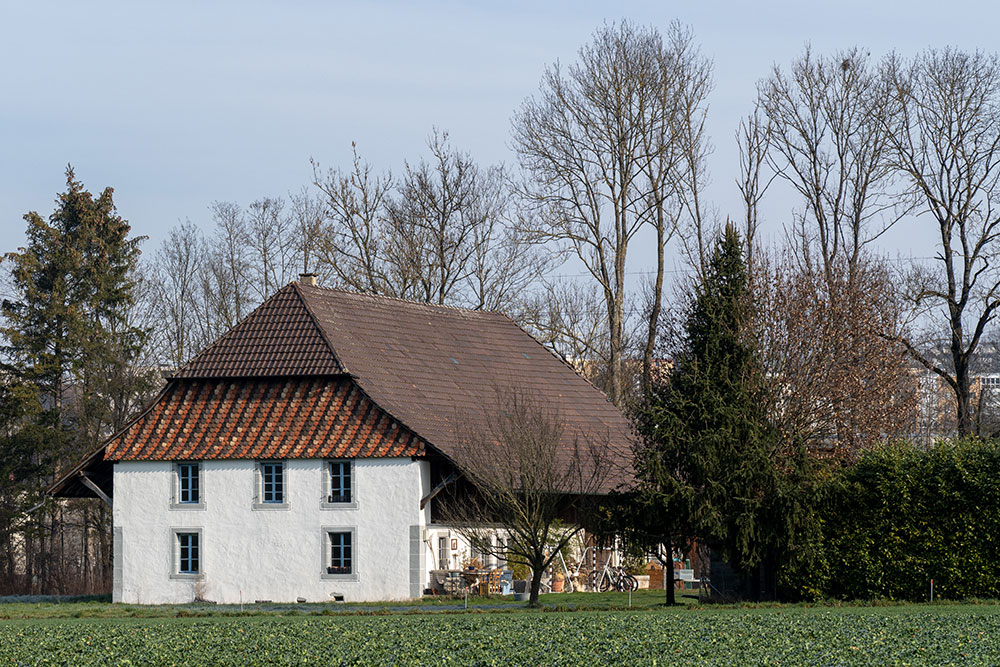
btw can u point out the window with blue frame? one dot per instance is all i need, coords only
(340, 482)
(272, 476)
(188, 483)
(341, 553)
(189, 553)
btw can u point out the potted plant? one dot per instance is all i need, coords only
(557, 582)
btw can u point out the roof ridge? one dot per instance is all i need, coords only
(297, 288)
(225, 334)
(414, 302)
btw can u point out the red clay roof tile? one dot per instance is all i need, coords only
(262, 418)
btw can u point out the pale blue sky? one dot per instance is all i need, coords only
(177, 104)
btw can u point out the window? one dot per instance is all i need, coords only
(339, 490)
(188, 483)
(272, 476)
(269, 486)
(340, 482)
(189, 553)
(186, 492)
(341, 553)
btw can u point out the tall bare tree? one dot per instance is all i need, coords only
(753, 139)
(443, 217)
(946, 143)
(271, 246)
(606, 145)
(829, 138)
(226, 279)
(307, 214)
(176, 294)
(441, 233)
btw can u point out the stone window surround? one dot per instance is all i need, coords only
(325, 553)
(175, 489)
(258, 486)
(175, 549)
(327, 483)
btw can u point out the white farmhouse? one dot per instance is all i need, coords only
(298, 456)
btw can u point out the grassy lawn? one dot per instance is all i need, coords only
(430, 633)
(554, 601)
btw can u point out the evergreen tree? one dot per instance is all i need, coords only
(69, 328)
(708, 456)
(70, 375)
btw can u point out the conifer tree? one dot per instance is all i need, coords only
(69, 366)
(69, 325)
(708, 452)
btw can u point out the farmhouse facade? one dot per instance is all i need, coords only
(298, 457)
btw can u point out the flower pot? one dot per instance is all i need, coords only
(557, 585)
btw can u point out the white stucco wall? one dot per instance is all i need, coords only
(253, 554)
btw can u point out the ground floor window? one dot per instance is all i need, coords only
(189, 553)
(341, 553)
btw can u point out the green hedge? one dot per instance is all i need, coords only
(899, 517)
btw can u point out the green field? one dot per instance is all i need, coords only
(904, 635)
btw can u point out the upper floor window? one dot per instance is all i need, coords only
(188, 483)
(272, 475)
(340, 482)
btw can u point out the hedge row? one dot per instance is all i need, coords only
(900, 517)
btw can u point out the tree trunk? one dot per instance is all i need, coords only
(668, 572)
(654, 313)
(536, 583)
(963, 396)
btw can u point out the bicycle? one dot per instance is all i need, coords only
(609, 577)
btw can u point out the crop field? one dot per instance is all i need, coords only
(911, 635)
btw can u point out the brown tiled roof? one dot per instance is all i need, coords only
(263, 418)
(279, 338)
(439, 369)
(337, 359)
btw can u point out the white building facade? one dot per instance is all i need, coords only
(229, 543)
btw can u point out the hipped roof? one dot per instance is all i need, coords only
(436, 370)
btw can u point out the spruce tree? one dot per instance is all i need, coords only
(68, 329)
(708, 453)
(70, 362)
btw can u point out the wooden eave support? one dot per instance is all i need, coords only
(90, 484)
(438, 489)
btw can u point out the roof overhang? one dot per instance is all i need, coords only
(80, 480)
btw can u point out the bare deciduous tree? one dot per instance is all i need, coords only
(612, 143)
(535, 485)
(946, 144)
(753, 139)
(226, 279)
(440, 234)
(177, 298)
(351, 245)
(842, 380)
(271, 246)
(829, 135)
(308, 214)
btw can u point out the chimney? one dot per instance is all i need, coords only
(308, 279)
